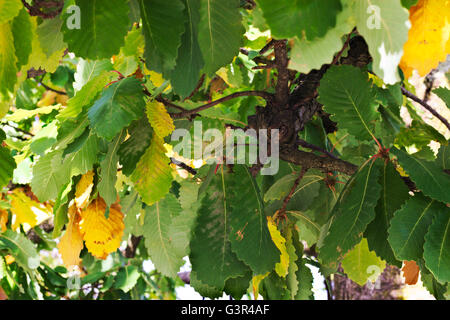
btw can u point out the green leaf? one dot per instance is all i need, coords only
(98, 21)
(275, 288)
(385, 26)
(71, 130)
(131, 150)
(352, 214)
(437, 245)
(430, 283)
(127, 278)
(428, 176)
(249, 235)
(444, 94)
(203, 289)
(362, 265)
(393, 194)
(8, 60)
(158, 219)
(163, 25)
(9, 9)
(180, 230)
(309, 230)
(307, 55)
(237, 287)
(210, 244)
(7, 163)
(419, 135)
(131, 206)
(152, 177)
(88, 70)
(84, 155)
(85, 96)
(20, 248)
(185, 76)
(50, 36)
(118, 106)
(49, 176)
(60, 209)
(305, 281)
(128, 59)
(301, 18)
(348, 95)
(443, 157)
(108, 171)
(409, 226)
(22, 30)
(409, 3)
(220, 33)
(308, 186)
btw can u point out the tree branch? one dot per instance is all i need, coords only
(186, 113)
(426, 106)
(281, 63)
(310, 160)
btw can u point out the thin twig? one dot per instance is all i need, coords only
(426, 106)
(291, 193)
(187, 113)
(199, 84)
(51, 89)
(308, 145)
(347, 42)
(266, 48)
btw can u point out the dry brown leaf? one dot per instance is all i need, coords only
(411, 272)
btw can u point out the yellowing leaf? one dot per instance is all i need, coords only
(152, 177)
(256, 280)
(48, 99)
(71, 243)
(411, 272)
(27, 211)
(84, 189)
(428, 40)
(360, 264)
(156, 78)
(159, 118)
(3, 220)
(102, 236)
(21, 114)
(282, 267)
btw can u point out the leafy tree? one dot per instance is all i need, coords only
(92, 94)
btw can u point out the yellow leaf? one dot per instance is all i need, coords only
(26, 211)
(428, 39)
(256, 280)
(281, 267)
(3, 220)
(84, 189)
(102, 236)
(9, 259)
(159, 118)
(48, 99)
(71, 243)
(156, 78)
